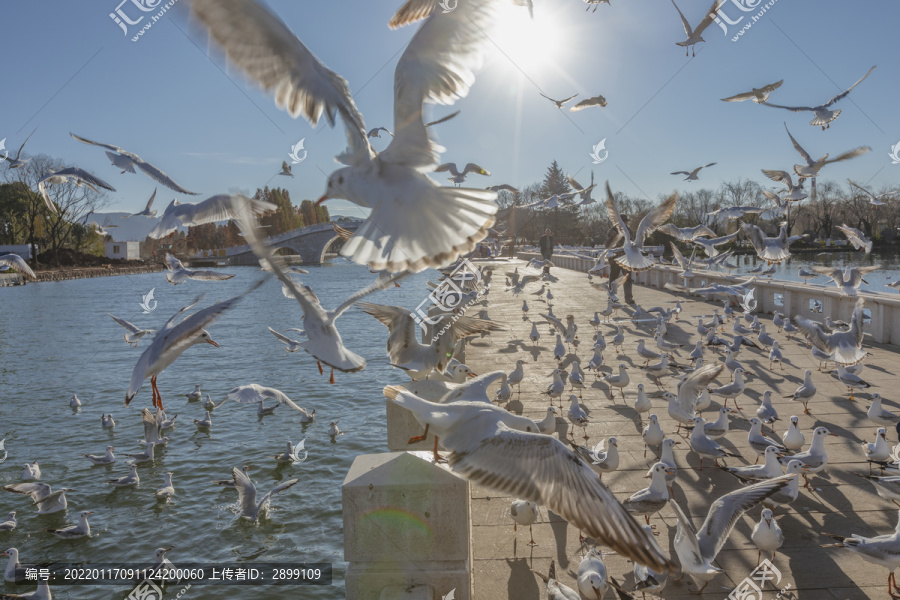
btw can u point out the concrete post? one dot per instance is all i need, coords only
(407, 529)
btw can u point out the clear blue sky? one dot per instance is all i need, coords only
(164, 99)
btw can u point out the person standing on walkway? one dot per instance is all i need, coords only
(546, 244)
(613, 238)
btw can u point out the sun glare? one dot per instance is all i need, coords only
(532, 44)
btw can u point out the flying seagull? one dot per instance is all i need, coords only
(558, 103)
(795, 193)
(824, 116)
(172, 340)
(376, 132)
(756, 94)
(214, 208)
(323, 339)
(691, 175)
(146, 212)
(78, 176)
(531, 466)
(15, 163)
(460, 176)
(127, 161)
(587, 103)
(771, 249)
(285, 169)
(584, 192)
(18, 263)
(812, 167)
(178, 273)
(874, 201)
(414, 223)
(856, 237)
(633, 259)
(694, 35)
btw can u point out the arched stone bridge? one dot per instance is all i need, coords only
(309, 243)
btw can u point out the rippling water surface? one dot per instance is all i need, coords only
(56, 339)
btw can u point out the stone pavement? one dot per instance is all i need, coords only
(842, 503)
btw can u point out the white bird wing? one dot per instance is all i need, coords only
(129, 326)
(814, 333)
(837, 275)
(541, 469)
(779, 176)
(685, 531)
(42, 189)
(85, 177)
(151, 426)
(276, 490)
(283, 338)
(856, 322)
(559, 325)
(150, 201)
(843, 94)
(790, 108)
(246, 491)
(709, 18)
(798, 147)
(862, 189)
(724, 513)
(35, 489)
(176, 338)
(684, 22)
(151, 171)
(448, 168)
(614, 216)
(271, 55)
(401, 326)
(756, 236)
(173, 263)
(679, 257)
(437, 67)
(849, 154)
(695, 383)
(655, 218)
(473, 168)
(209, 275)
(18, 263)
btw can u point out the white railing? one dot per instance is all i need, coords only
(787, 297)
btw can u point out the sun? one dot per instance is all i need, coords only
(531, 44)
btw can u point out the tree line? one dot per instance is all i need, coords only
(834, 204)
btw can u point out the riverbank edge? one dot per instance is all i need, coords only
(11, 279)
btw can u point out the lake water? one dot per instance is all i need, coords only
(889, 271)
(56, 339)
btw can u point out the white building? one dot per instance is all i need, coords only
(126, 250)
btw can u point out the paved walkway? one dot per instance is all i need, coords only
(841, 504)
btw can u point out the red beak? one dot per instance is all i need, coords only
(322, 199)
(213, 343)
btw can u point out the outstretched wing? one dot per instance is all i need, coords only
(18, 263)
(684, 22)
(541, 469)
(709, 17)
(614, 216)
(798, 147)
(269, 53)
(725, 512)
(437, 67)
(843, 94)
(655, 218)
(696, 382)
